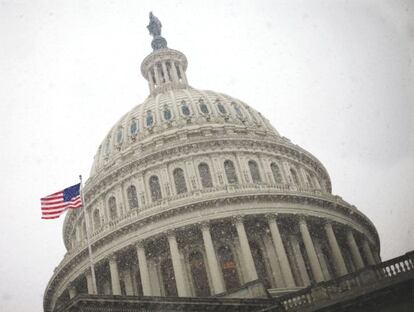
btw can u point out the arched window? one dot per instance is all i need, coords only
(294, 175)
(149, 120)
(230, 171)
(155, 188)
(260, 264)
(229, 268)
(168, 278)
(179, 181)
(203, 106)
(199, 274)
(132, 197)
(254, 171)
(205, 176)
(113, 214)
(96, 219)
(277, 175)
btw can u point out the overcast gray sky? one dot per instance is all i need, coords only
(336, 77)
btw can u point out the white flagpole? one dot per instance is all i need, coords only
(95, 289)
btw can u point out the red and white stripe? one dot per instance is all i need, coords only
(54, 205)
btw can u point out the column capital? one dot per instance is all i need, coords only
(327, 223)
(87, 272)
(171, 233)
(140, 244)
(113, 257)
(302, 219)
(238, 218)
(271, 216)
(204, 225)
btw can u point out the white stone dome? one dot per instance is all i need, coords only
(183, 111)
(197, 181)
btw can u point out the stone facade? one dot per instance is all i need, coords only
(194, 194)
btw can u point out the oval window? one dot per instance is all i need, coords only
(237, 110)
(133, 128)
(108, 145)
(221, 108)
(167, 114)
(119, 136)
(185, 109)
(203, 107)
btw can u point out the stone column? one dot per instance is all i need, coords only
(150, 81)
(157, 75)
(245, 250)
(356, 256)
(129, 291)
(72, 291)
(143, 269)
(367, 252)
(113, 267)
(338, 260)
(143, 198)
(280, 252)
(174, 72)
(213, 265)
(177, 265)
(297, 253)
(310, 250)
(183, 77)
(89, 283)
(122, 208)
(166, 75)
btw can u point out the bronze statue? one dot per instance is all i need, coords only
(154, 26)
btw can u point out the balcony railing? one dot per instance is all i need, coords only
(395, 269)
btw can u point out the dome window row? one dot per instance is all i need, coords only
(167, 115)
(232, 175)
(185, 110)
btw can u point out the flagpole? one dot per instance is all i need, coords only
(95, 289)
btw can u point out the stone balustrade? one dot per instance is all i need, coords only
(400, 267)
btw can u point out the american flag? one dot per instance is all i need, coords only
(57, 203)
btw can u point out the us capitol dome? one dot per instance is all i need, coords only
(194, 193)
